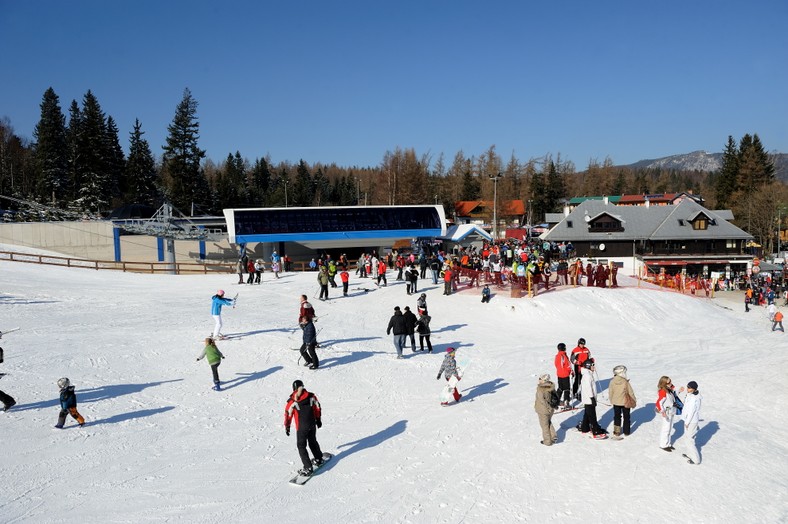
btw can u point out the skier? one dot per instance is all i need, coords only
(303, 409)
(778, 321)
(276, 263)
(344, 276)
(618, 390)
(691, 416)
(382, 273)
(217, 301)
(410, 327)
(306, 317)
(665, 407)
(545, 410)
(7, 400)
(579, 355)
(68, 403)
(259, 267)
(588, 387)
(449, 370)
(214, 359)
(563, 370)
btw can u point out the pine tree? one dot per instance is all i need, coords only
(73, 132)
(141, 176)
(555, 191)
(51, 151)
(303, 191)
(185, 181)
(95, 191)
(261, 183)
(727, 177)
(116, 164)
(539, 198)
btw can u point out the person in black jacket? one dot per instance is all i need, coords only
(423, 327)
(7, 400)
(398, 326)
(410, 326)
(413, 279)
(303, 409)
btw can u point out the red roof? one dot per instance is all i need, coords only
(464, 208)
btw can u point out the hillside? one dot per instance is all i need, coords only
(703, 161)
(160, 446)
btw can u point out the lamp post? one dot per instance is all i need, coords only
(285, 192)
(495, 179)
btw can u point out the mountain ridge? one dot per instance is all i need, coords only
(703, 161)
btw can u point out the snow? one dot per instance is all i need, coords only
(161, 446)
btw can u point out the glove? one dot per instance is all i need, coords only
(438, 377)
(318, 423)
(287, 431)
(198, 360)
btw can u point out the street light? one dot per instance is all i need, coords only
(495, 179)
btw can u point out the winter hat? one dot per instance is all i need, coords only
(620, 371)
(450, 350)
(692, 384)
(407, 308)
(544, 378)
(561, 347)
(297, 384)
(588, 363)
(220, 292)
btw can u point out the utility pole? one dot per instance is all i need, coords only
(495, 179)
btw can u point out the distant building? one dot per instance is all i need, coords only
(652, 199)
(678, 236)
(480, 213)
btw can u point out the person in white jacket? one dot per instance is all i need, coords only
(589, 392)
(691, 415)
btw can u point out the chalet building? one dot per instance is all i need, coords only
(654, 199)
(678, 236)
(480, 213)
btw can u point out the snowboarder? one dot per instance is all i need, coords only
(217, 301)
(544, 409)
(449, 370)
(618, 391)
(563, 370)
(665, 407)
(68, 403)
(214, 357)
(588, 388)
(691, 414)
(303, 409)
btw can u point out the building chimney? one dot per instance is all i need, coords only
(605, 199)
(648, 203)
(566, 210)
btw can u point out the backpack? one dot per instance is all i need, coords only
(555, 400)
(678, 405)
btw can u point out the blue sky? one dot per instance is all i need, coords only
(347, 81)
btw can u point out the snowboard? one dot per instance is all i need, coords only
(448, 390)
(301, 480)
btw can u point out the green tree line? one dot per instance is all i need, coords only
(77, 164)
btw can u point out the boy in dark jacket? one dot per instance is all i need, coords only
(68, 403)
(303, 409)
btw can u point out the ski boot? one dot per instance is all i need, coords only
(317, 462)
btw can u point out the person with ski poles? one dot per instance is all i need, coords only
(217, 301)
(214, 357)
(563, 370)
(303, 409)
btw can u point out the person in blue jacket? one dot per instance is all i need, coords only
(218, 301)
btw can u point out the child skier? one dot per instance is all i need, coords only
(7, 400)
(217, 301)
(303, 408)
(214, 359)
(68, 403)
(449, 370)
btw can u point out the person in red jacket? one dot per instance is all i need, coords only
(345, 277)
(579, 355)
(303, 409)
(447, 278)
(563, 370)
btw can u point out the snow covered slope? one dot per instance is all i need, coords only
(160, 446)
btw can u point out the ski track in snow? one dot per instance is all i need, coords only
(160, 446)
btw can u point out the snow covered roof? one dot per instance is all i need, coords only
(462, 232)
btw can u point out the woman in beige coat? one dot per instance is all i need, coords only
(617, 391)
(544, 410)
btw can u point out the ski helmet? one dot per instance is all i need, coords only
(581, 341)
(450, 350)
(588, 363)
(620, 371)
(63, 383)
(561, 347)
(220, 292)
(297, 384)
